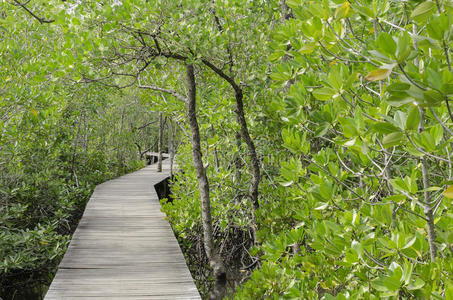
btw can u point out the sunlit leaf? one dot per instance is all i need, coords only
(449, 192)
(342, 11)
(422, 12)
(378, 74)
(393, 139)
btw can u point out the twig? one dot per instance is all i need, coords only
(410, 79)
(423, 151)
(440, 121)
(23, 5)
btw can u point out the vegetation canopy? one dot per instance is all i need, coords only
(313, 139)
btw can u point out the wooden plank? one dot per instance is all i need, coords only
(123, 247)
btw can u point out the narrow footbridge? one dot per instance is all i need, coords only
(123, 248)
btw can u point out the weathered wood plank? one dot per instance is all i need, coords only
(123, 247)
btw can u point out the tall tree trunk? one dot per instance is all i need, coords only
(86, 121)
(171, 145)
(159, 143)
(139, 149)
(428, 209)
(119, 154)
(256, 173)
(212, 252)
(237, 160)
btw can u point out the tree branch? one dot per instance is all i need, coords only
(222, 74)
(159, 89)
(23, 5)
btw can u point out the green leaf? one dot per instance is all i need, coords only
(413, 120)
(324, 94)
(427, 140)
(321, 206)
(399, 99)
(343, 10)
(322, 129)
(385, 284)
(384, 128)
(396, 270)
(379, 284)
(365, 11)
(278, 76)
(383, 214)
(432, 98)
(349, 127)
(398, 87)
(357, 247)
(394, 198)
(293, 3)
(386, 44)
(317, 10)
(307, 48)
(434, 30)
(437, 132)
(286, 183)
(392, 139)
(335, 78)
(431, 189)
(409, 243)
(276, 56)
(400, 118)
(447, 88)
(416, 284)
(399, 184)
(404, 47)
(449, 292)
(407, 272)
(423, 11)
(449, 192)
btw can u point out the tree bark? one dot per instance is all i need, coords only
(428, 209)
(237, 160)
(119, 153)
(86, 121)
(212, 252)
(171, 145)
(159, 143)
(286, 11)
(139, 149)
(256, 172)
(240, 116)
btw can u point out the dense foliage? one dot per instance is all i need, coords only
(338, 110)
(56, 143)
(363, 105)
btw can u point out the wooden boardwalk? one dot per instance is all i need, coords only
(123, 248)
